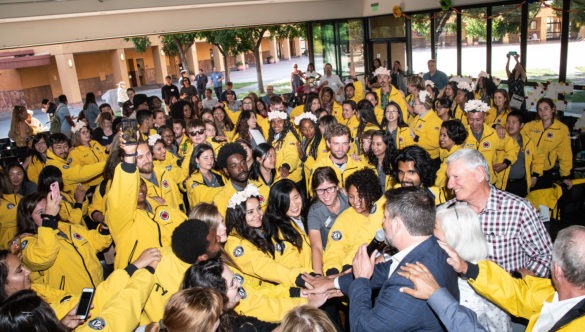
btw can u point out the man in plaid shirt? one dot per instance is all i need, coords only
(517, 238)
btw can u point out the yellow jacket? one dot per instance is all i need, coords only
(349, 231)
(165, 188)
(553, 143)
(404, 138)
(198, 191)
(256, 264)
(351, 166)
(441, 180)
(489, 144)
(133, 229)
(427, 129)
(396, 96)
(171, 165)
(34, 169)
(519, 297)
(167, 281)
(460, 115)
(351, 123)
(88, 155)
(288, 153)
(291, 257)
(65, 258)
(74, 174)
(502, 118)
(8, 209)
(98, 201)
(70, 212)
(261, 302)
(222, 196)
(184, 146)
(533, 163)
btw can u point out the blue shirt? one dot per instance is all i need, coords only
(439, 78)
(61, 113)
(215, 76)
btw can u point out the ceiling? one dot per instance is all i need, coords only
(26, 23)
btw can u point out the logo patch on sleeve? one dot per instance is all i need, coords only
(23, 245)
(238, 251)
(336, 236)
(10, 206)
(65, 166)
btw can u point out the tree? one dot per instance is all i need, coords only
(140, 43)
(229, 43)
(176, 44)
(577, 18)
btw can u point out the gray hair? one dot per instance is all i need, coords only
(472, 159)
(463, 231)
(569, 254)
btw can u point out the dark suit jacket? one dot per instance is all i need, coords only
(393, 310)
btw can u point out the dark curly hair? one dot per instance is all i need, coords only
(455, 130)
(235, 219)
(275, 221)
(227, 151)
(367, 185)
(288, 128)
(422, 164)
(315, 141)
(389, 155)
(242, 127)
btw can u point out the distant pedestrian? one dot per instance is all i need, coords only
(296, 80)
(217, 79)
(168, 90)
(200, 82)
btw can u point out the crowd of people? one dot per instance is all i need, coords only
(362, 207)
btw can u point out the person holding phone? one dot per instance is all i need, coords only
(516, 81)
(60, 255)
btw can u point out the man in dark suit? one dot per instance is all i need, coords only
(409, 220)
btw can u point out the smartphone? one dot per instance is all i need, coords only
(84, 303)
(512, 53)
(129, 129)
(54, 190)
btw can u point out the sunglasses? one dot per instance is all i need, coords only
(197, 132)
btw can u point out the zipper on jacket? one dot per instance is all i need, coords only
(132, 252)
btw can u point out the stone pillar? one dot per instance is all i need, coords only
(285, 50)
(160, 64)
(218, 59)
(192, 58)
(273, 49)
(68, 77)
(119, 67)
(296, 46)
(241, 58)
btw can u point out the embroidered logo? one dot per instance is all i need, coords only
(164, 215)
(400, 140)
(69, 160)
(97, 324)
(193, 185)
(65, 166)
(486, 145)
(77, 236)
(419, 126)
(238, 251)
(239, 278)
(10, 206)
(279, 247)
(168, 168)
(261, 199)
(336, 236)
(23, 245)
(374, 208)
(549, 135)
(242, 293)
(165, 184)
(527, 152)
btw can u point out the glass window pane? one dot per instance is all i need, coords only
(386, 27)
(421, 42)
(544, 48)
(446, 41)
(352, 46)
(473, 34)
(506, 35)
(323, 45)
(575, 64)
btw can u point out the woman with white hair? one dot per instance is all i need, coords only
(458, 225)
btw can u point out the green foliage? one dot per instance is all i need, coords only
(577, 19)
(422, 28)
(140, 43)
(177, 43)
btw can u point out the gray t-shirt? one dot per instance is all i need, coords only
(321, 219)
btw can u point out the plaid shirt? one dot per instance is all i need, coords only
(516, 236)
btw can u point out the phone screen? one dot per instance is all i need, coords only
(129, 129)
(84, 303)
(55, 189)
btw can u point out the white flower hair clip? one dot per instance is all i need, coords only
(381, 71)
(429, 82)
(242, 196)
(305, 115)
(476, 105)
(153, 138)
(422, 96)
(465, 86)
(483, 74)
(277, 115)
(79, 124)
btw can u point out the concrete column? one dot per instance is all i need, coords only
(68, 77)
(218, 59)
(160, 64)
(273, 49)
(192, 58)
(296, 46)
(242, 58)
(285, 50)
(119, 66)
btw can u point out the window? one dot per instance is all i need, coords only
(473, 34)
(421, 42)
(446, 41)
(386, 27)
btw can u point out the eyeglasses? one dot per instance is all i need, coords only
(197, 132)
(329, 190)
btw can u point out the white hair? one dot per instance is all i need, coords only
(463, 231)
(472, 159)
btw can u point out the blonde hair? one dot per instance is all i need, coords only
(463, 231)
(416, 81)
(306, 318)
(193, 310)
(208, 213)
